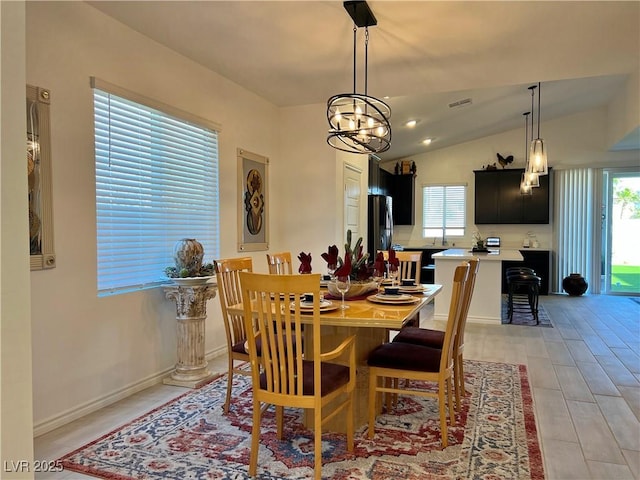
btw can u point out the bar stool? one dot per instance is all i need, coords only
(526, 278)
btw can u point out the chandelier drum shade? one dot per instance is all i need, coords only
(359, 123)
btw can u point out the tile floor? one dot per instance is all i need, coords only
(585, 376)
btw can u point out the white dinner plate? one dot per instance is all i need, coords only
(392, 299)
(412, 288)
(325, 306)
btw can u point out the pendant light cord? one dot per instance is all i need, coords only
(366, 58)
(539, 89)
(526, 140)
(532, 88)
(354, 59)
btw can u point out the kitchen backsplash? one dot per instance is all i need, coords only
(511, 236)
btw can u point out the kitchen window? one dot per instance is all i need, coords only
(443, 210)
(156, 183)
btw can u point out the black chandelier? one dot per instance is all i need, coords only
(359, 123)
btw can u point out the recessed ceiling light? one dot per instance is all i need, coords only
(427, 141)
(411, 123)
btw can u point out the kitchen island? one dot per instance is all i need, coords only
(486, 303)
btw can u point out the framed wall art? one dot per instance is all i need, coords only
(253, 206)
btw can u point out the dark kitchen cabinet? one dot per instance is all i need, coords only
(404, 199)
(498, 199)
(379, 179)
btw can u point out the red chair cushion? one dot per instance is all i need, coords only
(405, 356)
(332, 376)
(420, 336)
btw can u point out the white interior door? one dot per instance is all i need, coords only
(352, 192)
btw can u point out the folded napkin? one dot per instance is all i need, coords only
(378, 264)
(331, 257)
(344, 270)
(392, 258)
(305, 262)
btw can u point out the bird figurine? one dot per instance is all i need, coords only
(504, 161)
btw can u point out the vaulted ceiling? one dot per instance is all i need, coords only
(423, 55)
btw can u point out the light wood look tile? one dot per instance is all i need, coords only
(553, 416)
(633, 461)
(597, 379)
(564, 461)
(572, 384)
(609, 471)
(621, 420)
(596, 439)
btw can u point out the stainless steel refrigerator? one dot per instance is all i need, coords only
(380, 224)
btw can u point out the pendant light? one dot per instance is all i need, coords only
(532, 177)
(359, 123)
(538, 154)
(525, 184)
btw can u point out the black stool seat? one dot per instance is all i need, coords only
(525, 278)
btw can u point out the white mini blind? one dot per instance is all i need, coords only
(443, 210)
(156, 183)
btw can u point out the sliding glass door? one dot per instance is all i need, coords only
(621, 232)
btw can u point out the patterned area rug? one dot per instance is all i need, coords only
(521, 317)
(190, 438)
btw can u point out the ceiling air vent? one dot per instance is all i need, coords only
(460, 103)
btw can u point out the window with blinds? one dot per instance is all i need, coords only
(443, 210)
(156, 183)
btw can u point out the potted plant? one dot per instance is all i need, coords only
(355, 265)
(188, 254)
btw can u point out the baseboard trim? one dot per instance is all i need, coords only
(86, 408)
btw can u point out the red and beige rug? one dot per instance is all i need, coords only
(190, 438)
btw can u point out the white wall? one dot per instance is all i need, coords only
(89, 350)
(16, 417)
(575, 140)
(624, 111)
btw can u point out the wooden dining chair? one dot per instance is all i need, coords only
(227, 274)
(410, 264)
(283, 375)
(280, 263)
(435, 338)
(394, 361)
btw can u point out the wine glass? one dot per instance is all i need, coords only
(343, 282)
(393, 273)
(331, 269)
(378, 277)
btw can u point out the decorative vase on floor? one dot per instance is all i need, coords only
(575, 284)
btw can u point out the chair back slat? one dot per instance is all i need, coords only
(280, 263)
(456, 309)
(227, 274)
(474, 266)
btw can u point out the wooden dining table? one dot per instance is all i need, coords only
(371, 323)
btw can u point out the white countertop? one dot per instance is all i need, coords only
(496, 255)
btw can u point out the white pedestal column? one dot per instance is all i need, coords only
(191, 311)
